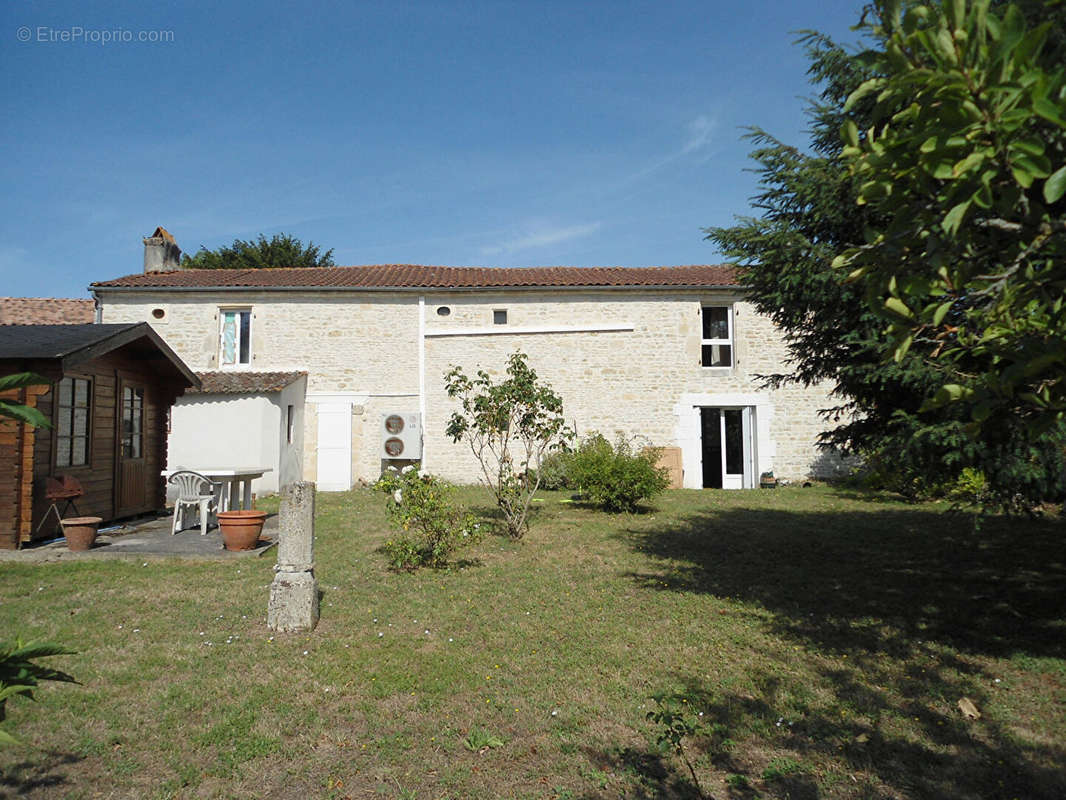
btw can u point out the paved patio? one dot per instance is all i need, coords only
(148, 538)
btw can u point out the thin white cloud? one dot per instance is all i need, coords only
(698, 137)
(699, 134)
(542, 238)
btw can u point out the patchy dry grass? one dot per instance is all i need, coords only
(825, 635)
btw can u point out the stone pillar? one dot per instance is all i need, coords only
(294, 593)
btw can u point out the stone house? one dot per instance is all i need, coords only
(667, 355)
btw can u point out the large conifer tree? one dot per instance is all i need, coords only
(808, 215)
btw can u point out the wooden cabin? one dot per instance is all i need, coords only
(108, 395)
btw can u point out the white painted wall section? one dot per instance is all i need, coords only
(219, 430)
(290, 454)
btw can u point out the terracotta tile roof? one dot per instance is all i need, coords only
(412, 276)
(240, 382)
(45, 311)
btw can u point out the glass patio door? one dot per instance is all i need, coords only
(728, 452)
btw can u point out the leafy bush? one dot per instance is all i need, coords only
(1013, 474)
(554, 470)
(616, 478)
(970, 487)
(19, 675)
(431, 525)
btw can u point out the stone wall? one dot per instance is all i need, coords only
(347, 342)
(621, 359)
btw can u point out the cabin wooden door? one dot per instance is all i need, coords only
(131, 478)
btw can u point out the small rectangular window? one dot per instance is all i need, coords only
(236, 337)
(717, 340)
(499, 316)
(132, 422)
(290, 422)
(73, 422)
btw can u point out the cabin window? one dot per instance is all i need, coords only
(132, 422)
(236, 338)
(73, 421)
(717, 342)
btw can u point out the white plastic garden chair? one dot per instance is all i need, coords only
(194, 491)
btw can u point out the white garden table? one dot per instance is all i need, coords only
(236, 492)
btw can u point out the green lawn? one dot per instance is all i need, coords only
(826, 635)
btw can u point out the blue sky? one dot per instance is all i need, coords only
(459, 133)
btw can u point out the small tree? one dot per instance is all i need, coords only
(510, 426)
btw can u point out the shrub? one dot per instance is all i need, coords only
(431, 525)
(970, 487)
(616, 478)
(554, 471)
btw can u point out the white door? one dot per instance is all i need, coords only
(334, 452)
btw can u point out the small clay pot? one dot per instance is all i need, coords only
(241, 529)
(80, 532)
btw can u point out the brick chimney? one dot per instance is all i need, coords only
(161, 252)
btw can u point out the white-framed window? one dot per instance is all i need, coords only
(499, 316)
(716, 345)
(290, 423)
(235, 337)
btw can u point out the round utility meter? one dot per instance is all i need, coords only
(394, 424)
(393, 446)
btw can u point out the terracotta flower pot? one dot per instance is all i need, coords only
(241, 529)
(81, 531)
